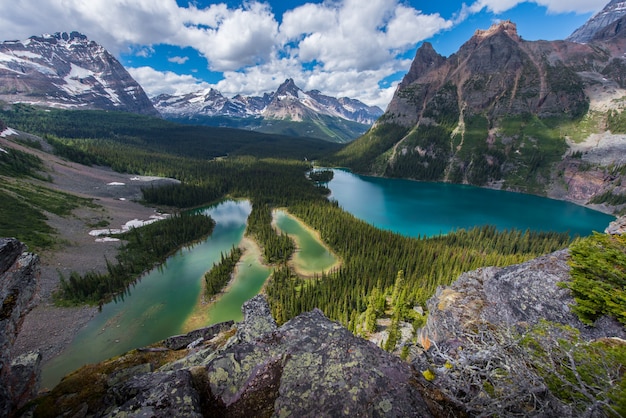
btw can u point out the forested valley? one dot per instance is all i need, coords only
(381, 272)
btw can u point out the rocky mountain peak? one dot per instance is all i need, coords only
(615, 10)
(288, 102)
(505, 27)
(288, 88)
(68, 70)
(426, 59)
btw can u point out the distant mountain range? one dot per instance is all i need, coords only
(288, 102)
(67, 70)
(288, 110)
(545, 117)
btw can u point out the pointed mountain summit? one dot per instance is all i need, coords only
(288, 89)
(67, 70)
(611, 13)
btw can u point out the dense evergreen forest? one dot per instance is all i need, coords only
(154, 134)
(372, 259)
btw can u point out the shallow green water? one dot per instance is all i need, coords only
(250, 278)
(416, 208)
(312, 256)
(160, 302)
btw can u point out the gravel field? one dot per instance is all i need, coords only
(50, 329)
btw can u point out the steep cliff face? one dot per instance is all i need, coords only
(18, 282)
(494, 73)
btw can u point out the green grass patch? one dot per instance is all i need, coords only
(24, 222)
(15, 163)
(578, 130)
(43, 198)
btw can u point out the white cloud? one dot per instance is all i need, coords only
(178, 60)
(353, 34)
(158, 82)
(553, 6)
(230, 38)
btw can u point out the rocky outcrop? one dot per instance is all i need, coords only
(18, 283)
(617, 227)
(474, 329)
(308, 367)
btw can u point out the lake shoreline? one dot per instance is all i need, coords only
(199, 316)
(315, 234)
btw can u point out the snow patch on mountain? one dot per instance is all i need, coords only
(7, 132)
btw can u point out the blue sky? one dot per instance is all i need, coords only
(355, 48)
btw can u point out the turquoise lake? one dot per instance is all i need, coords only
(160, 303)
(417, 208)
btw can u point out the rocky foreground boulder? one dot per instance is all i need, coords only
(19, 377)
(308, 367)
(496, 335)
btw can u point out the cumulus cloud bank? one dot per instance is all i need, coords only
(341, 47)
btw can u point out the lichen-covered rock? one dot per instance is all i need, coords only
(177, 342)
(19, 271)
(257, 319)
(309, 367)
(157, 395)
(313, 367)
(471, 340)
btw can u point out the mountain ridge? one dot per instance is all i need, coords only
(67, 70)
(288, 110)
(288, 102)
(613, 11)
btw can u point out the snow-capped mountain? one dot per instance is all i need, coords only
(68, 70)
(289, 102)
(612, 12)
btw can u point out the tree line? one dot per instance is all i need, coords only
(372, 259)
(219, 275)
(145, 247)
